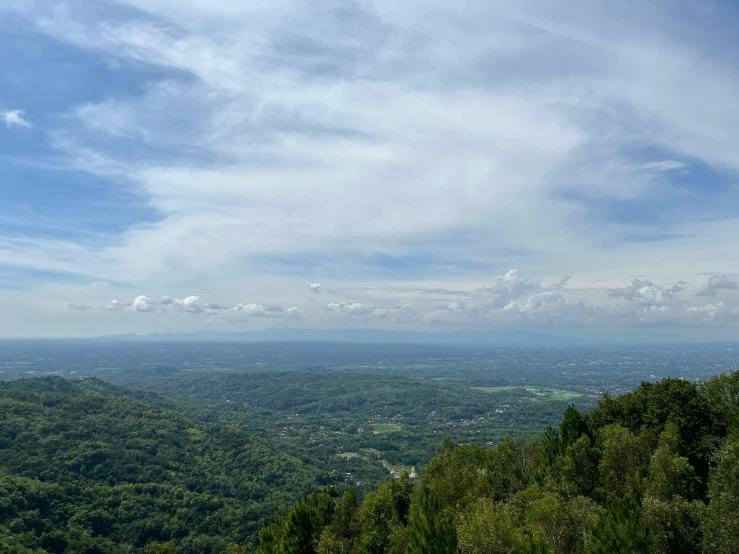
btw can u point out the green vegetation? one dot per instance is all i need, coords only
(84, 468)
(380, 428)
(390, 421)
(653, 471)
(231, 464)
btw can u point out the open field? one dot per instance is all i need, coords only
(380, 428)
(348, 455)
(551, 393)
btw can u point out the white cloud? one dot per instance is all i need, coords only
(142, 304)
(355, 309)
(715, 284)
(251, 310)
(14, 118)
(504, 289)
(189, 304)
(510, 300)
(710, 313)
(646, 293)
(441, 137)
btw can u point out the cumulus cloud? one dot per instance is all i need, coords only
(710, 313)
(715, 284)
(356, 309)
(14, 118)
(504, 288)
(511, 297)
(142, 304)
(645, 292)
(511, 300)
(250, 310)
(315, 288)
(394, 313)
(642, 302)
(546, 305)
(190, 305)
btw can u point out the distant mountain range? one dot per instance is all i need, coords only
(490, 338)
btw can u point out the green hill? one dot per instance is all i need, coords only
(84, 467)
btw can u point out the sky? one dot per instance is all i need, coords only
(182, 165)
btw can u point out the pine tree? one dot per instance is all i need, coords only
(300, 531)
(620, 531)
(431, 532)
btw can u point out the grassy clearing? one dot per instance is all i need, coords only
(381, 428)
(372, 454)
(551, 393)
(348, 455)
(397, 469)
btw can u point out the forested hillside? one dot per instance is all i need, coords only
(86, 468)
(656, 471)
(356, 427)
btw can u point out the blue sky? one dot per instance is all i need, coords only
(180, 165)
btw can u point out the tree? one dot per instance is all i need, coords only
(575, 472)
(55, 542)
(674, 525)
(573, 426)
(620, 530)
(721, 523)
(623, 463)
(671, 475)
(431, 531)
(338, 537)
(491, 527)
(156, 547)
(650, 407)
(300, 532)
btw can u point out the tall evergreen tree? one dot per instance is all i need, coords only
(620, 530)
(431, 532)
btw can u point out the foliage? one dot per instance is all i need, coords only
(620, 530)
(89, 467)
(721, 523)
(631, 476)
(81, 467)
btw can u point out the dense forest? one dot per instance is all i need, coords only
(90, 467)
(653, 471)
(86, 468)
